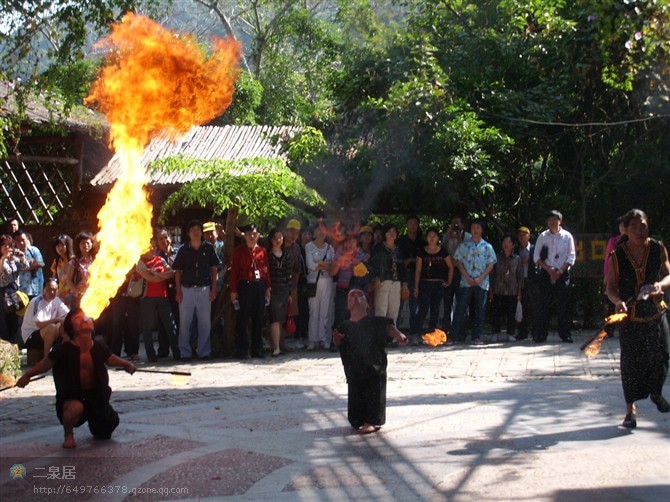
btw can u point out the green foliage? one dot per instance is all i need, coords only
(246, 102)
(264, 190)
(72, 81)
(38, 34)
(305, 146)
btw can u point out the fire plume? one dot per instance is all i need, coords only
(592, 349)
(155, 83)
(435, 338)
(616, 318)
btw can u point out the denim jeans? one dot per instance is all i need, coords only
(149, 307)
(464, 298)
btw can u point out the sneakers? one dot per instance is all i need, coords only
(310, 346)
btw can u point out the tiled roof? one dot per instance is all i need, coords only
(206, 143)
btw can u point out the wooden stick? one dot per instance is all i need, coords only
(180, 373)
(32, 380)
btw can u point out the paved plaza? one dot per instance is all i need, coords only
(504, 421)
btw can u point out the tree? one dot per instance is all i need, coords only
(502, 108)
(263, 190)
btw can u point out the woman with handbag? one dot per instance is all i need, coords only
(281, 280)
(506, 287)
(318, 257)
(12, 262)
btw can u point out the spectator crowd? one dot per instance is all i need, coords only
(295, 283)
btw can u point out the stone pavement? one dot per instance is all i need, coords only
(504, 421)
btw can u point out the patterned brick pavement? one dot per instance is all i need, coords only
(502, 421)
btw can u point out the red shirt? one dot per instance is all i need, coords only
(155, 289)
(245, 264)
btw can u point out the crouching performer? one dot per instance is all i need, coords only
(362, 341)
(81, 379)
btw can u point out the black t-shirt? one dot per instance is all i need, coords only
(363, 347)
(433, 266)
(409, 249)
(66, 371)
(196, 264)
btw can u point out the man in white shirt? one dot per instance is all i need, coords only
(43, 320)
(554, 255)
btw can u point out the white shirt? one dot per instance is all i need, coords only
(312, 254)
(40, 310)
(560, 248)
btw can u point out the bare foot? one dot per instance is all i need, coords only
(366, 429)
(69, 441)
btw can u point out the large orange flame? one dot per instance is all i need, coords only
(155, 83)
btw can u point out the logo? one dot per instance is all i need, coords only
(17, 471)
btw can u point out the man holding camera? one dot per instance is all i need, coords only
(453, 237)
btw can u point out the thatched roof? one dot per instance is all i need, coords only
(207, 143)
(43, 110)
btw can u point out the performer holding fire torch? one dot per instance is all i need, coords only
(81, 379)
(639, 268)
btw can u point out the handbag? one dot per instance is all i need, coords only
(289, 325)
(15, 302)
(518, 315)
(311, 286)
(137, 288)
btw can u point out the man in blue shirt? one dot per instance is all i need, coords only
(475, 259)
(31, 281)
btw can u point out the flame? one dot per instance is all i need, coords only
(593, 348)
(616, 318)
(155, 83)
(435, 338)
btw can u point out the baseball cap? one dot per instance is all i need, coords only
(293, 224)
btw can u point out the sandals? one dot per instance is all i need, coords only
(630, 420)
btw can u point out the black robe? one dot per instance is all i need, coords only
(364, 359)
(644, 334)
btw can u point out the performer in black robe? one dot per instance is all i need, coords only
(81, 379)
(639, 269)
(362, 341)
